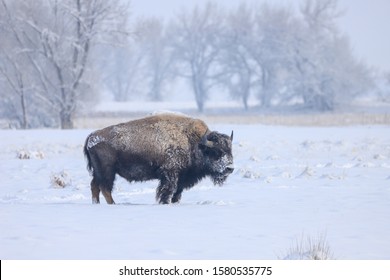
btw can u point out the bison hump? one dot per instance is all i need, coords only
(158, 134)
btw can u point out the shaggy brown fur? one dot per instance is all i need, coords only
(177, 150)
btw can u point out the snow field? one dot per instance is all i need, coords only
(288, 182)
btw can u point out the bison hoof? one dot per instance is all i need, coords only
(95, 201)
(175, 200)
(163, 202)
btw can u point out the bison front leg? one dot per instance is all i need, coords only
(167, 187)
(177, 195)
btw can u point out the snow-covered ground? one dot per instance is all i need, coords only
(289, 182)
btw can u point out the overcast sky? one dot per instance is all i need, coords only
(366, 22)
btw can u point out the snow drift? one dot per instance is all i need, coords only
(288, 181)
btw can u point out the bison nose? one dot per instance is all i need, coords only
(229, 169)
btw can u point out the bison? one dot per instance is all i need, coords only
(177, 150)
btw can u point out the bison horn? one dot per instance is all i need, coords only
(231, 136)
(207, 142)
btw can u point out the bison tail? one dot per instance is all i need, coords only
(87, 156)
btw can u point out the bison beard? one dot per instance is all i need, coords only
(178, 151)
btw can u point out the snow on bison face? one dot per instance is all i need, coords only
(217, 152)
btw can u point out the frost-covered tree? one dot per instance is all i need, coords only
(271, 49)
(139, 66)
(196, 45)
(312, 54)
(323, 70)
(122, 70)
(238, 66)
(153, 39)
(16, 81)
(282, 57)
(57, 38)
(257, 51)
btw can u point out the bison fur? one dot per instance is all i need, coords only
(177, 150)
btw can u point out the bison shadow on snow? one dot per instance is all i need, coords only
(178, 151)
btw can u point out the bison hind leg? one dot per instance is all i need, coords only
(104, 186)
(95, 192)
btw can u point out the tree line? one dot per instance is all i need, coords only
(57, 56)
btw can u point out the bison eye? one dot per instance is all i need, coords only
(212, 137)
(213, 153)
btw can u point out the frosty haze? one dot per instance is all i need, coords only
(59, 63)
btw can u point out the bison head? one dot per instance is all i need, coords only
(217, 153)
